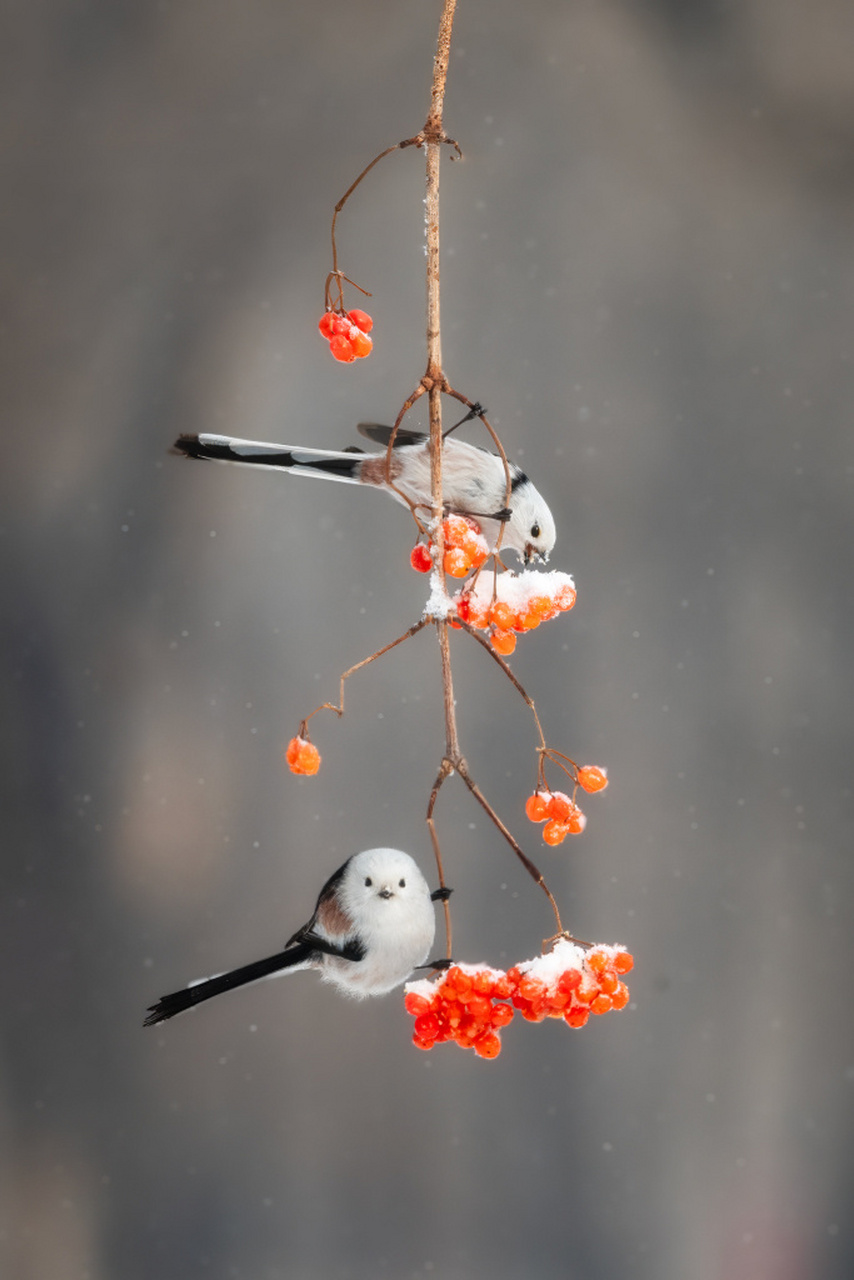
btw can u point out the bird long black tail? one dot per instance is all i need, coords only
(257, 453)
(297, 955)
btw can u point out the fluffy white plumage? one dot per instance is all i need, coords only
(372, 925)
(474, 480)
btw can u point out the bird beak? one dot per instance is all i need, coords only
(385, 893)
(541, 557)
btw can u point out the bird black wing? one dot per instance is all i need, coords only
(381, 435)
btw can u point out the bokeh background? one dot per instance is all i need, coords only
(648, 281)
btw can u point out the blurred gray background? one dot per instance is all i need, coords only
(648, 281)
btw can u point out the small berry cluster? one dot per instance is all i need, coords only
(302, 756)
(515, 603)
(347, 334)
(562, 816)
(465, 548)
(570, 983)
(469, 1004)
(559, 812)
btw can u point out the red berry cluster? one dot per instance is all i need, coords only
(562, 816)
(462, 1006)
(570, 983)
(469, 1004)
(515, 603)
(465, 548)
(347, 334)
(302, 756)
(559, 812)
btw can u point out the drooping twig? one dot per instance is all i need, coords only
(339, 709)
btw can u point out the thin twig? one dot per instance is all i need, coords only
(339, 709)
(445, 770)
(533, 871)
(496, 657)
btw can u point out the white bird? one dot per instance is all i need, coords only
(473, 480)
(372, 925)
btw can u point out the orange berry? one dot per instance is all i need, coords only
(361, 320)
(456, 563)
(420, 559)
(302, 757)
(480, 1007)
(456, 530)
(600, 1004)
(327, 324)
(483, 983)
(422, 1044)
(501, 615)
(543, 606)
(503, 642)
(576, 1016)
(505, 985)
(501, 1015)
(560, 806)
(362, 344)
(592, 778)
(598, 960)
(342, 349)
(415, 1004)
(576, 821)
(587, 989)
(620, 998)
(458, 979)
(608, 982)
(488, 1045)
(555, 832)
(624, 962)
(530, 988)
(569, 980)
(427, 1026)
(565, 597)
(537, 807)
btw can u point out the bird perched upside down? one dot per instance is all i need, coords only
(474, 480)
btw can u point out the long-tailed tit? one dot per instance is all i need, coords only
(373, 924)
(474, 481)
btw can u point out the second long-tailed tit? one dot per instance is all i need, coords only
(474, 481)
(372, 925)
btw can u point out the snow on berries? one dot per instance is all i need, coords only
(465, 548)
(347, 335)
(302, 757)
(514, 603)
(471, 1004)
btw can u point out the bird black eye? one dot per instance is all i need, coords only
(368, 882)
(403, 884)
(535, 531)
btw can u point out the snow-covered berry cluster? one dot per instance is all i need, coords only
(465, 548)
(470, 1004)
(347, 335)
(514, 603)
